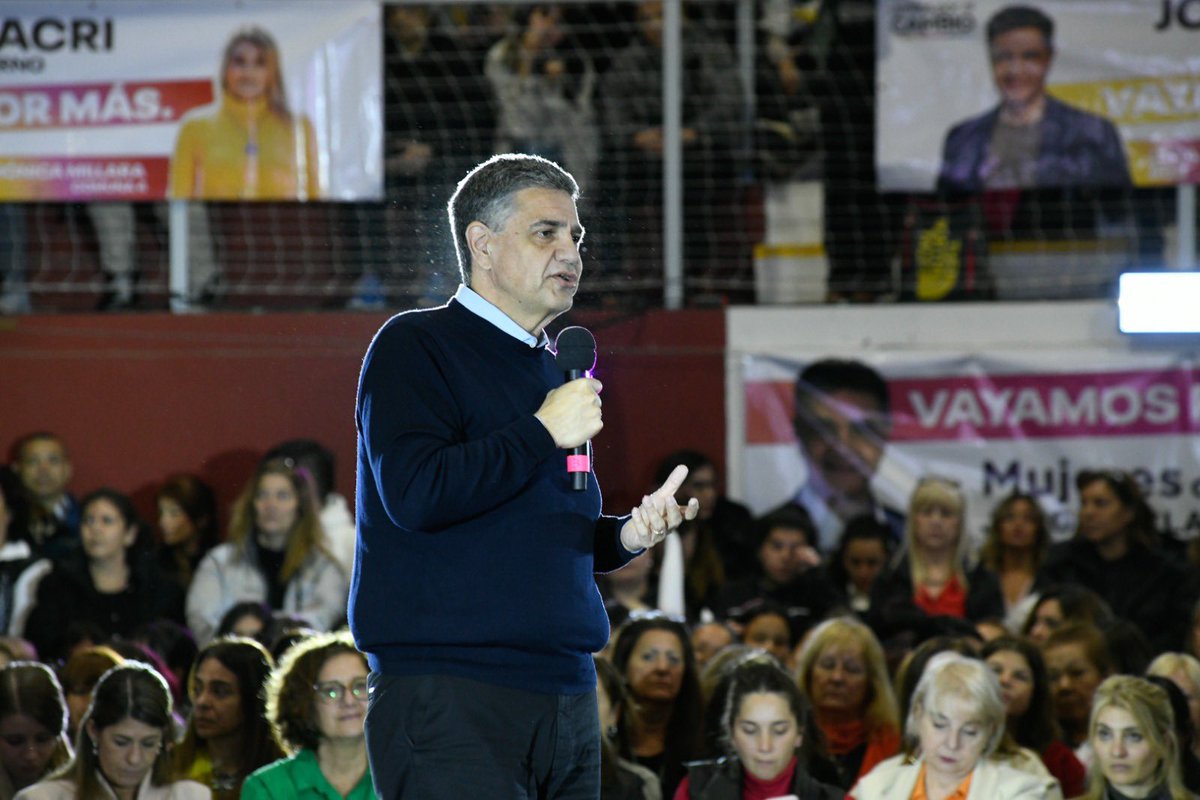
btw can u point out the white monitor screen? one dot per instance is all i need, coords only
(1159, 302)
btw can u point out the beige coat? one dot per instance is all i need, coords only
(895, 778)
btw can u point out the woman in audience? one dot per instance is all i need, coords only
(863, 552)
(124, 748)
(276, 554)
(317, 703)
(842, 671)
(15, 554)
(654, 656)
(767, 628)
(1184, 671)
(1115, 554)
(930, 579)
(249, 618)
(955, 725)
(79, 677)
(1132, 734)
(1025, 688)
(1058, 605)
(110, 585)
(248, 145)
(228, 735)
(620, 779)
(1016, 545)
(763, 725)
(33, 724)
(1077, 660)
(187, 525)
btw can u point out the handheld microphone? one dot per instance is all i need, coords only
(575, 355)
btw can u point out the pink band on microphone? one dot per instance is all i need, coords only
(579, 464)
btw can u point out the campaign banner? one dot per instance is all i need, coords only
(993, 425)
(995, 94)
(211, 99)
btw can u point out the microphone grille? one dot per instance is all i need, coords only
(575, 349)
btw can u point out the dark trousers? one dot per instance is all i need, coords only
(431, 737)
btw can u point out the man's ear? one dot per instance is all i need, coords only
(478, 241)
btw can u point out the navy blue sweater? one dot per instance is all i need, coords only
(475, 557)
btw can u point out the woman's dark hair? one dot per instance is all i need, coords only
(754, 675)
(990, 554)
(291, 699)
(863, 528)
(250, 664)
(1037, 727)
(1179, 705)
(198, 503)
(685, 726)
(247, 608)
(30, 688)
(176, 645)
(613, 744)
(125, 508)
(1078, 604)
(128, 691)
(1142, 528)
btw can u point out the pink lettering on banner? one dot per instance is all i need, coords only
(1025, 406)
(100, 104)
(99, 178)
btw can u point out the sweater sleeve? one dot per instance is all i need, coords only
(427, 473)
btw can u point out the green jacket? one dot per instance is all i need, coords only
(299, 777)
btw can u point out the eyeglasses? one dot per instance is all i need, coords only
(333, 691)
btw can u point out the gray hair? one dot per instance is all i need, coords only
(486, 194)
(967, 678)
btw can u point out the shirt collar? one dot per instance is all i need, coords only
(473, 302)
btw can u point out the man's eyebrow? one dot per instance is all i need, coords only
(576, 230)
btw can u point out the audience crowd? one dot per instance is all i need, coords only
(193, 659)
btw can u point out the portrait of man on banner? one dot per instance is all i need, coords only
(1029, 139)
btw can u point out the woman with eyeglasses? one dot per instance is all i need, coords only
(33, 724)
(1115, 553)
(228, 735)
(317, 703)
(931, 579)
(123, 749)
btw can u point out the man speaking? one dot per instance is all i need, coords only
(473, 592)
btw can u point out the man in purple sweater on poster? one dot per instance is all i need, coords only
(473, 593)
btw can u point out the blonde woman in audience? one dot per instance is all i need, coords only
(954, 726)
(33, 724)
(276, 554)
(1132, 733)
(317, 703)
(1016, 545)
(843, 673)
(930, 578)
(1183, 670)
(228, 735)
(124, 747)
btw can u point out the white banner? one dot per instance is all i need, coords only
(994, 425)
(216, 99)
(1077, 93)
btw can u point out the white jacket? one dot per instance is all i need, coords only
(66, 790)
(316, 594)
(895, 778)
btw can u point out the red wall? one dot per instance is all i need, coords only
(137, 397)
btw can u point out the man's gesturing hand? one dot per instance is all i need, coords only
(571, 413)
(659, 514)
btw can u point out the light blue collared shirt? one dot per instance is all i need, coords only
(474, 303)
